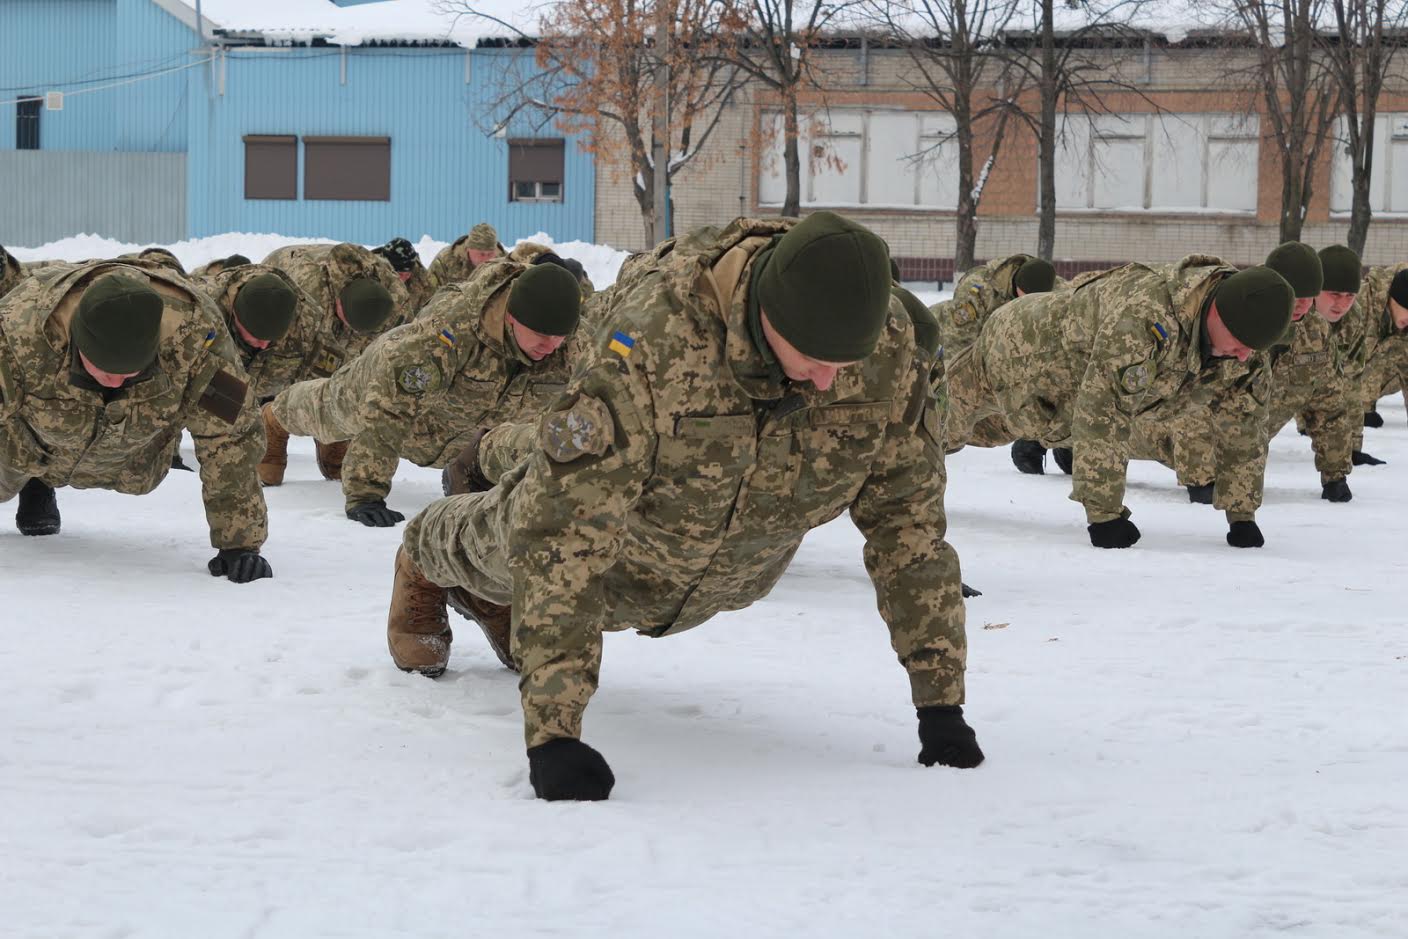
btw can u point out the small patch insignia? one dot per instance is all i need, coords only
(447, 337)
(1159, 332)
(1135, 378)
(418, 379)
(584, 429)
(964, 314)
(326, 363)
(621, 344)
(209, 340)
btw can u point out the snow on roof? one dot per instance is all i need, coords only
(411, 21)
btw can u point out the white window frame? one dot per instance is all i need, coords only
(1391, 147)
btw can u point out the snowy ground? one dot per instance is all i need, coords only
(1183, 739)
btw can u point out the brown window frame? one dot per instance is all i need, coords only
(544, 168)
(270, 166)
(347, 169)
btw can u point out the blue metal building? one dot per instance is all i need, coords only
(158, 135)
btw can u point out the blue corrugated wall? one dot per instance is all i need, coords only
(446, 174)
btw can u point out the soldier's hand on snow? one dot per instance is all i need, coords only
(463, 474)
(1373, 419)
(1116, 533)
(1360, 458)
(568, 770)
(970, 591)
(945, 738)
(1201, 495)
(1336, 490)
(375, 514)
(1245, 535)
(180, 464)
(240, 565)
(1065, 458)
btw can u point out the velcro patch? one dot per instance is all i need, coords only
(224, 396)
(418, 379)
(326, 363)
(584, 429)
(1136, 378)
(964, 314)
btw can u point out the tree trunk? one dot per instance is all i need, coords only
(1292, 189)
(1362, 163)
(1046, 209)
(644, 189)
(791, 153)
(966, 224)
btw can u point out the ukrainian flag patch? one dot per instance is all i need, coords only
(209, 339)
(1159, 332)
(447, 337)
(621, 344)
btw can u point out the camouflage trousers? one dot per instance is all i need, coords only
(11, 482)
(1183, 444)
(459, 542)
(973, 418)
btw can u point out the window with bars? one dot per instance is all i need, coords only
(27, 123)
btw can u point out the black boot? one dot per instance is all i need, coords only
(1029, 457)
(38, 513)
(1065, 458)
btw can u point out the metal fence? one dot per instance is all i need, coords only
(51, 194)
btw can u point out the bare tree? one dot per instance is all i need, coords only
(1360, 52)
(1297, 89)
(593, 72)
(952, 45)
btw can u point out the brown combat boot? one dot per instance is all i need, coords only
(330, 456)
(417, 628)
(275, 459)
(495, 620)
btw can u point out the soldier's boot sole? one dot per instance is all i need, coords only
(38, 511)
(275, 459)
(417, 628)
(494, 620)
(330, 457)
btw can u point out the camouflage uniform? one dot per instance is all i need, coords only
(1372, 343)
(272, 369)
(1083, 367)
(10, 272)
(977, 294)
(321, 271)
(452, 265)
(418, 288)
(423, 389)
(712, 469)
(58, 426)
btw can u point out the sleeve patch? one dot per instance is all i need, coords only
(418, 379)
(621, 344)
(583, 429)
(1137, 378)
(224, 397)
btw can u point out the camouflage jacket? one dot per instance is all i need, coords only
(273, 369)
(977, 294)
(10, 272)
(68, 435)
(1127, 345)
(712, 468)
(418, 288)
(1305, 377)
(1372, 351)
(431, 384)
(452, 265)
(321, 271)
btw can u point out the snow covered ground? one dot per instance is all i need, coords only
(1183, 739)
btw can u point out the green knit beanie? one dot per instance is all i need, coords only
(926, 324)
(1343, 269)
(547, 299)
(118, 323)
(825, 288)
(1035, 276)
(366, 304)
(1300, 265)
(264, 306)
(1255, 306)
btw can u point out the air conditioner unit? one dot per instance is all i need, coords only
(1400, 128)
(53, 100)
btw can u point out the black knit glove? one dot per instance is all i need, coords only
(1202, 495)
(1116, 533)
(1360, 458)
(1245, 535)
(239, 565)
(1373, 419)
(970, 592)
(1336, 490)
(375, 514)
(568, 770)
(1065, 458)
(945, 738)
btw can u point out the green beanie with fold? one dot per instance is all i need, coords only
(366, 304)
(264, 306)
(1343, 269)
(825, 287)
(1035, 276)
(1300, 265)
(1255, 306)
(547, 299)
(118, 324)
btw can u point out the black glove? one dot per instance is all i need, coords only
(945, 738)
(1336, 490)
(1360, 458)
(375, 514)
(180, 464)
(1065, 458)
(1244, 535)
(240, 565)
(1373, 419)
(1202, 495)
(1029, 456)
(969, 591)
(1116, 533)
(568, 770)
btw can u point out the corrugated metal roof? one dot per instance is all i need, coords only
(406, 21)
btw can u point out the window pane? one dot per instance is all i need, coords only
(1119, 174)
(1397, 175)
(1232, 175)
(772, 175)
(893, 155)
(1178, 162)
(550, 190)
(27, 123)
(522, 190)
(836, 170)
(938, 168)
(1072, 162)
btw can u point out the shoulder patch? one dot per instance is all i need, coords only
(963, 314)
(584, 428)
(418, 379)
(1160, 334)
(1136, 378)
(224, 396)
(447, 337)
(621, 344)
